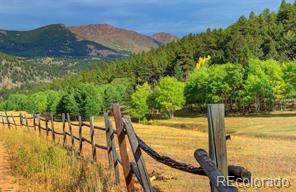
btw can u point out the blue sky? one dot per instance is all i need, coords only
(178, 17)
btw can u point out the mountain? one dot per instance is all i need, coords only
(16, 71)
(115, 38)
(164, 38)
(101, 40)
(53, 40)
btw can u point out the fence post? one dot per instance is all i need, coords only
(7, 119)
(108, 142)
(112, 155)
(27, 124)
(217, 139)
(52, 127)
(13, 120)
(80, 134)
(39, 124)
(141, 168)
(21, 119)
(46, 124)
(64, 127)
(70, 129)
(3, 123)
(92, 133)
(34, 121)
(123, 148)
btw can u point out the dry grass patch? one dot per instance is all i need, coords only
(44, 166)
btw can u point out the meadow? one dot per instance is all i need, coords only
(264, 144)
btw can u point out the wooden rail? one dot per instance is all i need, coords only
(218, 180)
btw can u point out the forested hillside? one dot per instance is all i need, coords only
(53, 40)
(249, 66)
(15, 71)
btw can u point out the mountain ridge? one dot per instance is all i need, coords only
(117, 38)
(50, 40)
(164, 38)
(58, 40)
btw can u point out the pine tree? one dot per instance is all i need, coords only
(283, 4)
(252, 15)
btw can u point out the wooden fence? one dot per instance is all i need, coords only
(133, 167)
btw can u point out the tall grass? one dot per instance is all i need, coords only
(44, 166)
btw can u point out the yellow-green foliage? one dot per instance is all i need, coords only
(48, 167)
(203, 61)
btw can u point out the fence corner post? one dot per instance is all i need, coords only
(217, 139)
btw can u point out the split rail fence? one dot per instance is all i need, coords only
(214, 165)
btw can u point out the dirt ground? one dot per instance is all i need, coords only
(7, 182)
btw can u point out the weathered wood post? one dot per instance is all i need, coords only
(70, 129)
(64, 131)
(80, 134)
(13, 120)
(92, 134)
(7, 119)
(46, 124)
(52, 127)
(39, 124)
(108, 141)
(112, 155)
(34, 122)
(3, 123)
(217, 139)
(121, 135)
(27, 123)
(141, 168)
(21, 119)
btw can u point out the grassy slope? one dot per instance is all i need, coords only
(15, 71)
(43, 166)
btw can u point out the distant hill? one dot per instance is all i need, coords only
(53, 40)
(115, 38)
(164, 38)
(101, 40)
(16, 71)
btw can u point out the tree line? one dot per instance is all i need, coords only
(253, 87)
